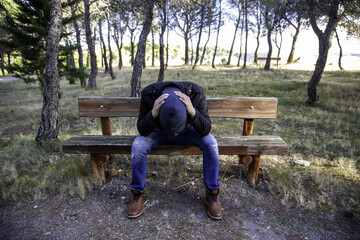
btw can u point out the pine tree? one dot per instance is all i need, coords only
(28, 27)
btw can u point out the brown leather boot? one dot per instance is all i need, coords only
(212, 201)
(137, 203)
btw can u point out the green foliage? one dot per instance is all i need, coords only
(27, 28)
(28, 31)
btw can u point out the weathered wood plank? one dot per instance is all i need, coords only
(246, 107)
(243, 145)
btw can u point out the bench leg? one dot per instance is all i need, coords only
(97, 163)
(253, 171)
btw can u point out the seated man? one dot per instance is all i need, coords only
(174, 112)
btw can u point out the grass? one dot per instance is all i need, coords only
(327, 135)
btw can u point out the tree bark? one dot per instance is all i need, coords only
(2, 63)
(110, 51)
(167, 48)
(50, 112)
(78, 42)
(269, 30)
(132, 46)
(138, 64)
(241, 37)
(204, 48)
(161, 40)
(268, 58)
(104, 54)
(258, 24)
(340, 53)
(234, 37)
(186, 38)
(120, 53)
(152, 48)
(118, 34)
(91, 47)
(200, 34)
(246, 33)
(217, 37)
(10, 71)
(324, 45)
(297, 31)
(279, 44)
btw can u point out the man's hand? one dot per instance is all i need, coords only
(157, 104)
(187, 102)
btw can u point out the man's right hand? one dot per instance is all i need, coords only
(158, 103)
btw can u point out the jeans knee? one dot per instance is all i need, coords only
(210, 144)
(141, 146)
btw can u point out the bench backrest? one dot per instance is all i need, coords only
(243, 107)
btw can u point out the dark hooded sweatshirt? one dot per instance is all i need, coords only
(147, 123)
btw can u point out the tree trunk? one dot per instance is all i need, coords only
(241, 37)
(110, 51)
(186, 38)
(200, 33)
(78, 42)
(297, 31)
(217, 37)
(50, 112)
(137, 71)
(340, 53)
(246, 34)
(234, 38)
(101, 54)
(104, 47)
(268, 58)
(319, 68)
(118, 35)
(9, 62)
(192, 50)
(120, 53)
(324, 45)
(167, 48)
(132, 47)
(2, 63)
(152, 48)
(279, 44)
(91, 47)
(204, 48)
(258, 23)
(161, 40)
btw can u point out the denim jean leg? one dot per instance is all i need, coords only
(209, 146)
(139, 150)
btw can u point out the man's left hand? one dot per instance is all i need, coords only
(187, 102)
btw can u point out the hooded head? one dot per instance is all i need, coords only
(173, 114)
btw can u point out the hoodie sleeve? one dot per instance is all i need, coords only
(201, 121)
(146, 122)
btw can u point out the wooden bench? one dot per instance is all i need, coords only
(249, 148)
(257, 59)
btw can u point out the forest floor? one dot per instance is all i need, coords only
(46, 194)
(173, 213)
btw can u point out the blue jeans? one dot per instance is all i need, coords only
(143, 145)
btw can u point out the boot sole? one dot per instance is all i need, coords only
(213, 217)
(135, 216)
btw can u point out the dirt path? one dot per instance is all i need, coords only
(171, 214)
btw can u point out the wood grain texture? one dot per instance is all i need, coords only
(246, 107)
(243, 145)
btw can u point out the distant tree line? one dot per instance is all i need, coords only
(26, 30)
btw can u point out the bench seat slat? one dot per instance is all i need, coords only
(243, 145)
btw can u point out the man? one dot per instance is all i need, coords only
(174, 112)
